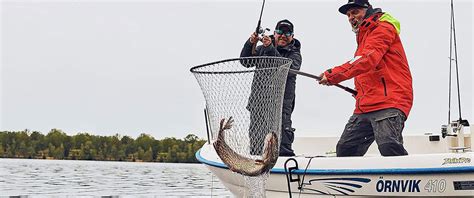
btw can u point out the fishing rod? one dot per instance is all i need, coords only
(352, 91)
(259, 29)
(451, 36)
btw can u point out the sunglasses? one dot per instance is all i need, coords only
(280, 32)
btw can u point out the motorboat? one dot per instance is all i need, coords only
(438, 165)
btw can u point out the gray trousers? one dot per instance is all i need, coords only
(258, 124)
(384, 126)
(287, 135)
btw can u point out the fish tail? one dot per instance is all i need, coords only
(229, 123)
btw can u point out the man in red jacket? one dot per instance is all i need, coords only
(382, 79)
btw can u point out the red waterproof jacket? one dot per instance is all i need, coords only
(380, 67)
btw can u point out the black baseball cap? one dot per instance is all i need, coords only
(352, 4)
(285, 25)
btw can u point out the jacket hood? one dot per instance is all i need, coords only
(389, 19)
(378, 17)
(371, 11)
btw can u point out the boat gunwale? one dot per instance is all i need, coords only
(385, 171)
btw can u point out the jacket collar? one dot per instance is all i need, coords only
(370, 22)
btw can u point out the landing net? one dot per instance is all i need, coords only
(250, 90)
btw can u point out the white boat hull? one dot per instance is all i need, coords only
(432, 172)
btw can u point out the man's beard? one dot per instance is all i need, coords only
(284, 44)
(355, 28)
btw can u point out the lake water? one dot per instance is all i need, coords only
(40, 178)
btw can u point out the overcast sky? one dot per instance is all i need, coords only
(107, 67)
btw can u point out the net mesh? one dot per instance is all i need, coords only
(249, 91)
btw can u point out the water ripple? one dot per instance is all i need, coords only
(39, 178)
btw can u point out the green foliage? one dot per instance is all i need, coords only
(83, 146)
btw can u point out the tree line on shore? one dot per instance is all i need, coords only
(83, 146)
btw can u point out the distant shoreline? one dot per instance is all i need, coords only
(58, 145)
(52, 159)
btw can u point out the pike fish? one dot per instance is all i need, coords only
(245, 165)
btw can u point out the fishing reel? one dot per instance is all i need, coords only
(454, 128)
(262, 31)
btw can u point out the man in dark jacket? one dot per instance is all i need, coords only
(281, 44)
(382, 79)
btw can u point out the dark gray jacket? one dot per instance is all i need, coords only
(291, 51)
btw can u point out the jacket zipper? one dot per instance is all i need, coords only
(384, 86)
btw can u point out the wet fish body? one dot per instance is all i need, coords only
(245, 165)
